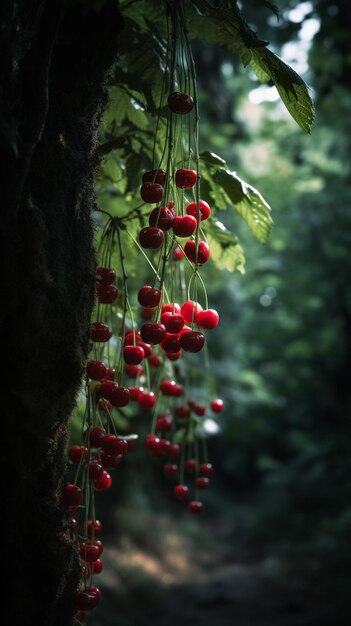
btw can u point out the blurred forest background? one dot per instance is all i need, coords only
(274, 544)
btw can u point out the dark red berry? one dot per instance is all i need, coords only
(195, 507)
(94, 469)
(207, 319)
(205, 469)
(99, 545)
(184, 225)
(173, 356)
(133, 355)
(147, 313)
(181, 492)
(155, 176)
(104, 405)
(189, 310)
(203, 252)
(180, 103)
(174, 450)
(104, 482)
(77, 453)
(96, 370)
(162, 217)
(100, 332)
(171, 344)
(110, 373)
(72, 495)
(192, 341)
(217, 405)
(204, 210)
(135, 393)
(154, 360)
(114, 445)
(202, 482)
(173, 322)
(171, 388)
(105, 275)
(96, 436)
(177, 253)
(185, 179)
(151, 237)
(199, 409)
(96, 593)
(170, 470)
(164, 423)
(84, 601)
(149, 296)
(182, 412)
(110, 462)
(97, 566)
(171, 307)
(89, 552)
(151, 192)
(152, 332)
(119, 396)
(132, 371)
(146, 400)
(106, 294)
(190, 466)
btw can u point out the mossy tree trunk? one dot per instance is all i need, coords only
(53, 88)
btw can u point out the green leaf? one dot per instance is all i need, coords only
(226, 252)
(211, 158)
(248, 202)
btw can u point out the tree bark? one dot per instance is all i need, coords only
(53, 89)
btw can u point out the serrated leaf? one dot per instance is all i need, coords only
(248, 202)
(261, 74)
(211, 158)
(226, 252)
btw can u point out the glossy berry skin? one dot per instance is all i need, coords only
(96, 436)
(171, 344)
(106, 387)
(96, 594)
(151, 237)
(155, 176)
(149, 296)
(114, 445)
(135, 393)
(199, 409)
(97, 566)
(133, 355)
(164, 423)
(146, 400)
(72, 495)
(207, 319)
(170, 470)
(180, 103)
(119, 396)
(84, 601)
(151, 192)
(182, 412)
(149, 441)
(162, 217)
(132, 371)
(147, 313)
(189, 310)
(174, 450)
(181, 492)
(171, 388)
(76, 454)
(184, 225)
(195, 507)
(190, 466)
(204, 208)
(174, 356)
(203, 252)
(105, 275)
(110, 373)
(173, 322)
(89, 552)
(202, 482)
(154, 360)
(185, 179)
(205, 469)
(103, 483)
(110, 462)
(217, 405)
(192, 341)
(152, 332)
(171, 307)
(95, 469)
(96, 370)
(106, 294)
(100, 332)
(99, 545)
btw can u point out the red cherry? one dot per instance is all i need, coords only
(203, 252)
(207, 319)
(100, 332)
(147, 313)
(135, 393)
(84, 601)
(119, 396)
(151, 237)
(89, 552)
(184, 225)
(185, 179)
(114, 445)
(171, 344)
(152, 332)
(106, 294)
(170, 470)
(177, 253)
(96, 435)
(110, 462)
(217, 405)
(132, 371)
(173, 322)
(181, 492)
(146, 400)
(104, 482)
(72, 495)
(105, 275)
(174, 356)
(77, 453)
(171, 388)
(182, 412)
(151, 192)
(96, 370)
(110, 373)
(205, 469)
(199, 409)
(162, 217)
(99, 545)
(171, 307)
(189, 310)
(180, 103)
(202, 482)
(133, 355)
(94, 469)
(106, 387)
(204, 210)
(155, 176)
(104, 405)
(159, 447)
(154, 360)
(97, 566)
(192, 341)
(174, 450)
(149, 441)
(96, 593)
(164, 423)
(195, 506)
(149, 296)
(190, 466)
